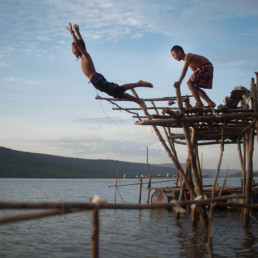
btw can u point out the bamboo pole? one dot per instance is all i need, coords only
(182, 188)
(95, 233)
(84, 206)
(212, 205)
(218, 166)
(144, 183)
(171, 112)
(140, 191)
(116, 183)
(214, 142)
(249, 174)
(199, 167)
(249, 136)
(149, 175)
(179, 142)
(131, 109)
(184, 98)
(79, 207)
(37, 215)
(167, 133)
(242, 164)
(180, 136)
(254, 98)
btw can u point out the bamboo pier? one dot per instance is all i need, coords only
(235, 122)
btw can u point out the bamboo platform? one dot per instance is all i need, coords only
(234, 122)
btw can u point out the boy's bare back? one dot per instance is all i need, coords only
(196, 61)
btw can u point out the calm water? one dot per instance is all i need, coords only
(122, 233)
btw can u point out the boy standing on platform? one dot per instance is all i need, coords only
(201, 78)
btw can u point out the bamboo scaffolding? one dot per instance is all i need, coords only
(167, 149)
(190, 147)
(206, 126)
(204, 118)
(198, 190)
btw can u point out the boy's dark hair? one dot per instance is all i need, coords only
(177, 48)
(81, 42)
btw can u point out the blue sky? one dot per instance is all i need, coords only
(48, 106)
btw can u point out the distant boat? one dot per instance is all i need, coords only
(167, 194)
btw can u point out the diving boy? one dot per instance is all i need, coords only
(98, 80)
(201, 78)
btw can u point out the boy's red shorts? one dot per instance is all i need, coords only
(203, 76)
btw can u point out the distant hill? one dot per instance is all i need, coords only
(18, 164)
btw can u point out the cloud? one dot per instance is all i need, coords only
(104, 120)
(21, 80)
(102, 148)
(3, 64)
(110, 19)
(43, 38)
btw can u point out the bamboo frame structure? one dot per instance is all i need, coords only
(225, 125)
(200, 127)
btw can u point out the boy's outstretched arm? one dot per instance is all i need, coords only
(77, 30)
(70, 29)
(178, 83)
(75, 39)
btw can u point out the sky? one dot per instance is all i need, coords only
(47, 105)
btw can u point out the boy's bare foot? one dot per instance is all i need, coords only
(145, 84)
(197, 105)
(212, 104)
